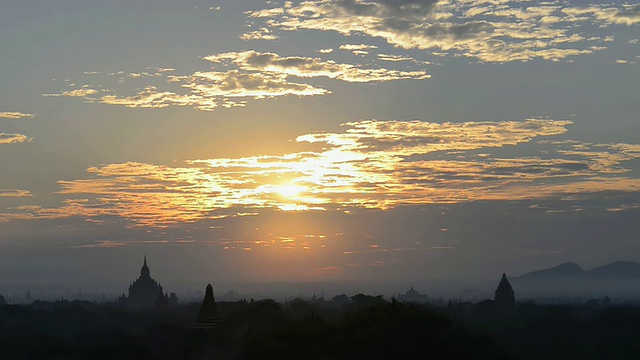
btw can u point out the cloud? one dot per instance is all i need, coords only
(258, 76)
(358, 252)
(209, 90)
(80, 92)
(361, 49)
(311, 67)
(101, 244)
(627, 15)
(13, 138)
(150, 97)
(371, 164)
(15, 115)
(328, 269)
(394, 58)
(14, 193)
(491, 31)
(419, 137)
(237, 84)
(85, 91)
(262, 34)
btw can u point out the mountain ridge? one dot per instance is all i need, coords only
(573, 271)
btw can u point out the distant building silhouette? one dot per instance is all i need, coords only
(413, 296)
(145, 292)
(504, 295)
(162, 301)
(204, 342)
(208, 314)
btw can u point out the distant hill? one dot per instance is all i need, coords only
(618, 269)
(566, 270)
(570, 278)
(615, 270)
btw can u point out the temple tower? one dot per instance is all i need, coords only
(504, 295)
(207, 316)
(145, 291)
(144, 271)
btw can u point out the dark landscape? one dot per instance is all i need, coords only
(319, 179)
(148, 324)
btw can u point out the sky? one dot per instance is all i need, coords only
(316, 141)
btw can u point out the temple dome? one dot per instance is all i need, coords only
(145, 291)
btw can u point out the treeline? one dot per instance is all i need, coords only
(359, 327)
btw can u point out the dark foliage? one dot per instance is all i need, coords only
(365, 327)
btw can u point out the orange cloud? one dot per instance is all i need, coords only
(13, 138)
(371, 164)
(15, 193)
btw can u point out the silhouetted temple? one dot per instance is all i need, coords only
(504, 295)
(207, 316)
(145, 291)
(413, 296)
(203, 342)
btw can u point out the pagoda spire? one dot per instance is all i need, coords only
(207, 316)
(145, 272)
(504, 295)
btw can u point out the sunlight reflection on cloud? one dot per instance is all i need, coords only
(371, 164)
(491, 31)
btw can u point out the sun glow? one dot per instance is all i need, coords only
(290, 191)
(373, 164)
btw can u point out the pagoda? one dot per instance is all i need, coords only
(207, 316)
(145, 292)
(504, 295)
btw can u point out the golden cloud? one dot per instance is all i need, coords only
(13, 138)
(492, 31)
(312, 67)
(15, 115)
(14, 193)
(262, 34)
(371, 164)
(258, 76)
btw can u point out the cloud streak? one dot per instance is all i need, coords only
(257, 75)
(491, 31)
(14, 115)
(371, 164)
(262, 34)
(307, 67)
(13, 138)
(14, 193)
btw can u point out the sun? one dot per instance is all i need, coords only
(290, 190)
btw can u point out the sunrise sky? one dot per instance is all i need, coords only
(316, 141)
